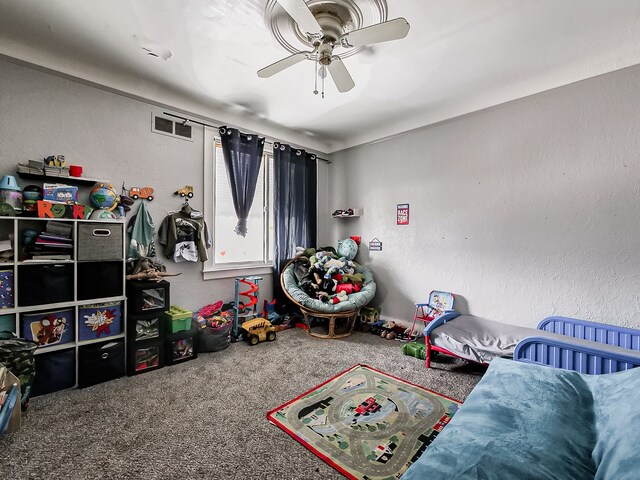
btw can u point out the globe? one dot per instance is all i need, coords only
(103, 195)
(347, 248)
(102, 214)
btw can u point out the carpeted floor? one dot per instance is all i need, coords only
(205, 418)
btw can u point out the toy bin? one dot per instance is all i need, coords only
(147, 297)
(42, 284)
(100, 362)
(49, 328)
(177, 319)
(145, 327)
(8, 323)
(99, 241)
(99, 320)
(180, 347)
(144, 356)
(6, 288)
(99, 279)
(54, 371)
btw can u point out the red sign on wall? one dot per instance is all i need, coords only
(403, 214)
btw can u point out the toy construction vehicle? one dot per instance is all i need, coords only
(144, 192)
(186, 191)
(258, 330)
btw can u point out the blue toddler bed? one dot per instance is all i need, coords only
(561, 342)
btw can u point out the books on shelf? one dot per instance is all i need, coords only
(47, 257)
(59, 229)
(33, 166)
(5, 245)
(54, 243)
(56, 171)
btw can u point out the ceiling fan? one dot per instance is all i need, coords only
(325, 28)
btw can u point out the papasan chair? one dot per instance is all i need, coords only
(310, 307)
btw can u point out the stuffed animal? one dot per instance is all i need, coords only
(340, 297)
(347, 288)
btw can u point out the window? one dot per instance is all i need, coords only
(232, 252)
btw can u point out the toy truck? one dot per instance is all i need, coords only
(186, 191)
(258, 330)
(144, 192)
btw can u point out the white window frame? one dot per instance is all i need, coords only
(211, 270)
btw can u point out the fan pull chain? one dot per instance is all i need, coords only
(323, 85)
(315, 76)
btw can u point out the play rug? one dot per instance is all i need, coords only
(366, 423)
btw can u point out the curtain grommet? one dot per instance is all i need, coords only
(222, 130)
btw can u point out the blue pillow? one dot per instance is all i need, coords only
(521, 421)
(617, 420)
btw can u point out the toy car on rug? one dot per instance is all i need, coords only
(258, 330)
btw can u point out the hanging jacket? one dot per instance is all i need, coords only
(185, 236)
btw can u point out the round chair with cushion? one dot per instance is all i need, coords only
(311, 307)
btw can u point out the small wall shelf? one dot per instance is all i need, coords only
(356, 213)
(52, 178)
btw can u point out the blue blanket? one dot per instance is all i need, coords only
(531, 422)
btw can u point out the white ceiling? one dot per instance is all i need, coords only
(460, 56)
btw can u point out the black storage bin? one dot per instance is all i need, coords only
(145, 327)
(100, 362)
(54, 371)
(180, 347)
(99, 280)
(144, 356)
(42, 284)
(147, 296)
(213, 339)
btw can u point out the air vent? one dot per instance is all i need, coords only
(163, 125)
(177, 129)
(183, 130)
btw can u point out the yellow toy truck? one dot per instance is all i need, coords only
(258, 330)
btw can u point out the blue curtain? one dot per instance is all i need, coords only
(242, 156)
(295, 206)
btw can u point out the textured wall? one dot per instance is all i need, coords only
(110, 135)
(525, 210)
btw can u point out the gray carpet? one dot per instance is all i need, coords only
(205, 418)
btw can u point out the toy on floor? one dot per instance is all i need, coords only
(418, 350)
(269, 312)
(258, 330)
(245, 311)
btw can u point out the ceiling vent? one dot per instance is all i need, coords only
(166, 126)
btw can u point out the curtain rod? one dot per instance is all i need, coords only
(185, 119)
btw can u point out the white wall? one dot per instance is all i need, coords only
(525, 210)
(110, 136)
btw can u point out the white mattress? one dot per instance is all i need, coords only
(480, 340)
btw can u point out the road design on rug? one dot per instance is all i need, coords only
(367, 424)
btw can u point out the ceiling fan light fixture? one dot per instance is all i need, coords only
(327, 25)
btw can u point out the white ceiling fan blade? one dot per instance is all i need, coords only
(299, 11)
(340, 75)
(381, 32)
(280, 65)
